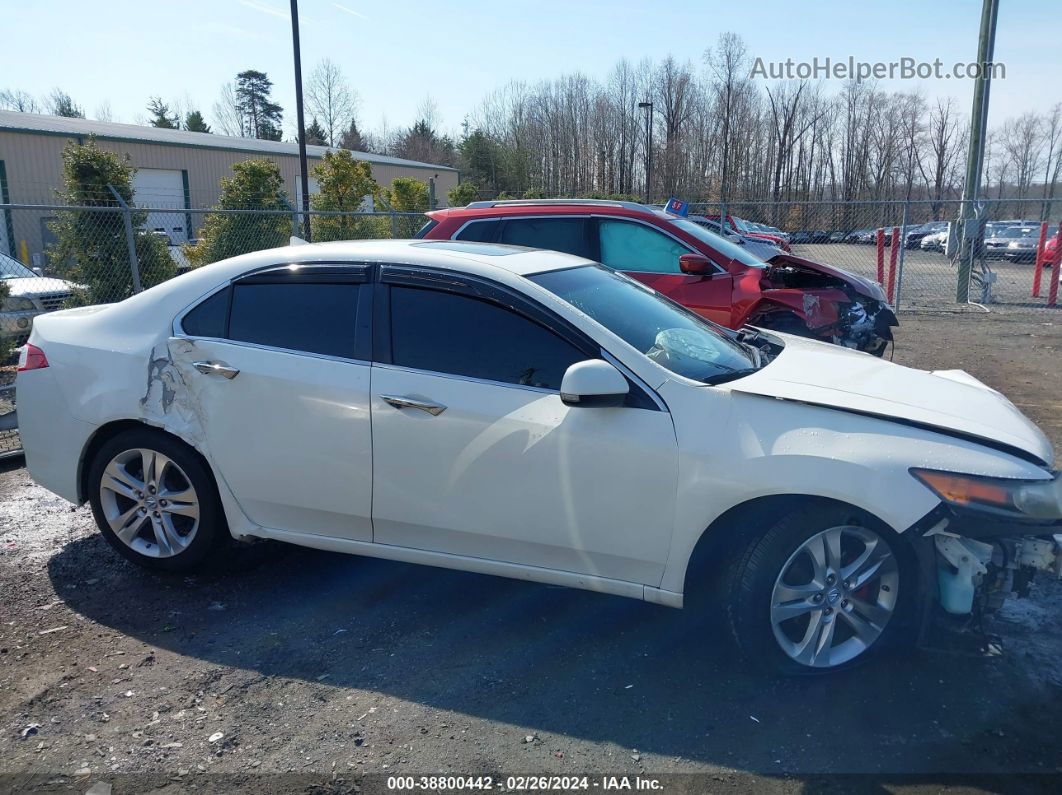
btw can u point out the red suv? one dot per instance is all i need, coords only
(686, 262)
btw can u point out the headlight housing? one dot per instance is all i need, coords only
(16, 304)
(1020, 499)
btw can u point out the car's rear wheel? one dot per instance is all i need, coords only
(155, 501)
(823, 588)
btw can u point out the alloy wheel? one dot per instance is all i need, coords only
(834, 596)
(149, 503)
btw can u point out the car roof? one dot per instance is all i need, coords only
(489, 209)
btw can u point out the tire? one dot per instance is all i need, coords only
(791, 616)
(172, 519)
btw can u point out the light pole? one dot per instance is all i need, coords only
(971, 193)
(648, 108)
(304, 177)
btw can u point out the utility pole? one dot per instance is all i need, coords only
(648, 108)
(975, 156)
(304, 177)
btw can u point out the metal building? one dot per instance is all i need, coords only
(175, 169)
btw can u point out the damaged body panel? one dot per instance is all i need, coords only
(823, 302)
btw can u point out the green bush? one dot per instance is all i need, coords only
(343, 184)
(254, 185)
(463, 193)
(5, 342)
(91, 248)
(408, 195)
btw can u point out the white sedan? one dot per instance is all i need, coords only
(533, 415)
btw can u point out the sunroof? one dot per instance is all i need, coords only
(486, 249)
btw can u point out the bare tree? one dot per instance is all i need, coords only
(330, 100)
(227, 115)
(17, 99)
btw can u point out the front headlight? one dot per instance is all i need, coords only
(15, 304)
(1029, 499)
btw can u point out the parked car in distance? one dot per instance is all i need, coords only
(531, 414)
(1014, 243)
(685, 261)
(756, 246)
(800, 237)
(743, 227)
(180, 259)
(934, 241)
(837, 236)
(29, 294)
(1051, 253)
(913, 236)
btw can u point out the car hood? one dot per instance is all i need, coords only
(25, 287)
(951, 401)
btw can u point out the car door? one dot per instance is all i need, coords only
(651, 256)
(280, 365)
(476, 455)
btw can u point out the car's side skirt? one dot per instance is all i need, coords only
(516, 571)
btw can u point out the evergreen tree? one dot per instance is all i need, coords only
(254, 185)
(352, 138)
(91, 249)
(315, 134)
(161, 117)
(194, 122)
(261, 116)
(343, 184)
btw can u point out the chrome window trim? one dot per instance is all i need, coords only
(467, 378)
(272, 349)
(629, 373)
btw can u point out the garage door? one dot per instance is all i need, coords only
(162, 188)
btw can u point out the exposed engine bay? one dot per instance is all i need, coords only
(827, 303)
(976, 576)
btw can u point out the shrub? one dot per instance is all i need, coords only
(91, 247)
(344, 182)
(254, 185)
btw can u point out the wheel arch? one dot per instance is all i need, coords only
(108, 431)
(732, 530)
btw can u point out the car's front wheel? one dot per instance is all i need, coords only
(155, 501)
(823, 588)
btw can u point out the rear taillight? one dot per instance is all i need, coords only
(31, 358)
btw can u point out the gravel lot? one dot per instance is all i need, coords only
(327, 668)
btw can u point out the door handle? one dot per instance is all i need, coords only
(216, 368)
(434, 409)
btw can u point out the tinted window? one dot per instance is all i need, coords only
(665, 332)
(316, 318)
(208, 319)
(628, 246)
(479, 232)
(557, 234)
(449, 333)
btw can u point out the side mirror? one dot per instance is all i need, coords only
(696, 265)
(593, 383)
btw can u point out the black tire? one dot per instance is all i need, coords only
(759, 565)
(211, 532)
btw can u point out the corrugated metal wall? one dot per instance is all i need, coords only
(34, 172)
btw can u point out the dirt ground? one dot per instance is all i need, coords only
(301, 671)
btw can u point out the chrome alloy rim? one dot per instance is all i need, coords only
(834, 596)
(149, 502)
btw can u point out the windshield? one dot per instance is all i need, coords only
(741, 224)
(718, 243)
(13, 269)
(665, 332)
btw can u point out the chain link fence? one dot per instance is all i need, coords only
(58, 256)
(1007, 263)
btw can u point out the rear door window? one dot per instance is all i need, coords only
(310, 317)
(568, 235)
(479, 231)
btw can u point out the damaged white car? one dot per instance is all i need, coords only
(534, 415)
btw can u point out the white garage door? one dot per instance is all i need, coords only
(162, 188)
